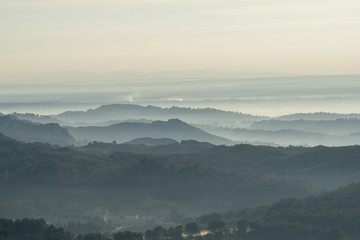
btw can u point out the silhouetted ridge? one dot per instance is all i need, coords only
(131, 111)
(28, 131)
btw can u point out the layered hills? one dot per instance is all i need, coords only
(124, 132)
(306, 129)
(131, 111)
(44, 180)
(28, 131)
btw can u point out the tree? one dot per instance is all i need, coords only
(175, 233)
(192, 228)
(156, 234)
(216, 226)
(242, 226)
(127, 235)
(53, 233)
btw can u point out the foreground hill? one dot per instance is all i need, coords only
(124, 132)
(43, 180)
(322, 167)
(34, 132)
(327, 216)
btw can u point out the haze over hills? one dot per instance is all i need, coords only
(307, 129)
(286, 135)
(323, 167)
(329, 127)
(123, 132)
(265, 96)
(50, 181)
(166, 166)
(330, 215)
(35, 132)
(318, 116)
(179, 120)
(36, 118)
(43, 180)
(132, 111)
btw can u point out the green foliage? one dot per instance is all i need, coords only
(53, 233)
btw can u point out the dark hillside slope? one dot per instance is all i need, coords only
(324, 167)
(333, 215)
(286, 137)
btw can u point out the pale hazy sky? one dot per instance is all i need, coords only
(282, 36)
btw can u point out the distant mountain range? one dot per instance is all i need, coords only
(122, 123)
(330, 127)
(166, 147)
(266, 133)
(28, 131)
(318, 116)
(124, 132)
(36, 118)
(132, 111)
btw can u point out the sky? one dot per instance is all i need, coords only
(193, 53)
(275, 37)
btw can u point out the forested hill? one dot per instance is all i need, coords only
(338, 126)
(323, 167)
(327, 216)
(41, 180)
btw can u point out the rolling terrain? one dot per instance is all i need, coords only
(45, 180)
(28, 131)
(124, 132)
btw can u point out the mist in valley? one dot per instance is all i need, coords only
(173, 120)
